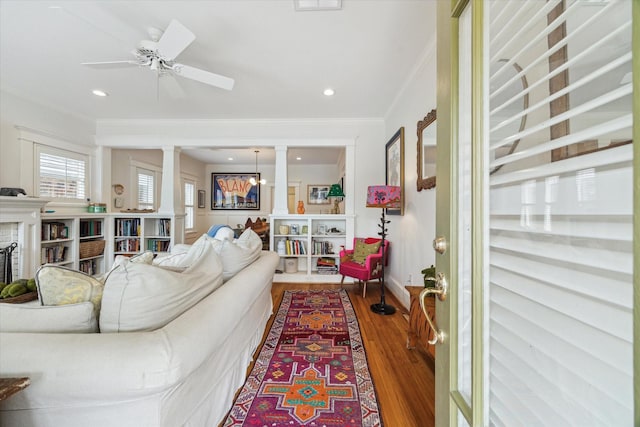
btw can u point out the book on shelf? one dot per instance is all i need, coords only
(321, 247)
(157, 245)
(328, 269)
(92, 227)
(53, 254)
(128, 226)
(164, 227)
(54, 231)
(295, 247)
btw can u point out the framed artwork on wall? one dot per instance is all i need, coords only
(317, 194)
(394, 167)
(233, 191)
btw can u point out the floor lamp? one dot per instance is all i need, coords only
(383, 196)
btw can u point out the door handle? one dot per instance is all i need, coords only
(441, 290)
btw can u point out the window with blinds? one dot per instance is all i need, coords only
(146, 189)
(189, 197)
(62, 174)
(558, 142)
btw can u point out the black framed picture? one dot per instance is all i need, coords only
(394, 167)
(233, 191)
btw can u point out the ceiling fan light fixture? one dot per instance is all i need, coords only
(100, 93)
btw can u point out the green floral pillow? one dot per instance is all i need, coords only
(60, 286)
(362, 250)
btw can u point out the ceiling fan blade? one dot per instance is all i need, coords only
(171, 86)
(204, 76)
(174, 40)
(112, 64)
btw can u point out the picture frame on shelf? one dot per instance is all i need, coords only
(394, 167)
(233, 191)
(317, 194)
(201, 198)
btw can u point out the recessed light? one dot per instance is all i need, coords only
(230, 158)
(328, 92)
(98, 92)
(298, 158)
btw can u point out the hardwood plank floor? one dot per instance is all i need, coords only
(403, 380)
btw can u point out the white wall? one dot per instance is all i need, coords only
(416, 229)
(16, 111)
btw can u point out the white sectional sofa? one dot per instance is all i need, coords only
(182, 374)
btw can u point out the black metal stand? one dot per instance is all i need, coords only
(383, 307)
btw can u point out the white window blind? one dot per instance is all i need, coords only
(189, 190)
(62, 174)
(560, 282)
(146, 189)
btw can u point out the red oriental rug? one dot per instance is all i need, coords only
(312, 369)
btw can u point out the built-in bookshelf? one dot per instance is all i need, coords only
(134, 234)
(73, 241)
(57, 241)
(91, 246)
(309, 245)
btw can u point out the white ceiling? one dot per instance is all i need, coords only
(281, 59)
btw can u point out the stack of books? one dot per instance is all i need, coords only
(327, 266)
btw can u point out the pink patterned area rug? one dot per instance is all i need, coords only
(312, 369)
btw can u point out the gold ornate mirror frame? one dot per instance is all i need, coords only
(424, 182)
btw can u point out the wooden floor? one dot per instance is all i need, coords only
(403, 380)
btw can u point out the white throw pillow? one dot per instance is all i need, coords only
(34, 318)
(238, 254)
(140, 297)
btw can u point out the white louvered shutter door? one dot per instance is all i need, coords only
(559, 272)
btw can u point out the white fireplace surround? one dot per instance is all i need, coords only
(25, 212)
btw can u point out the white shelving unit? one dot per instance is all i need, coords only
(60, 238)
(309, 240)
(132, 234)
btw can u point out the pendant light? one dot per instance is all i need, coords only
(254, 179)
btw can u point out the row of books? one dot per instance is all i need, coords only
(158, 245)
(51, 254)
(127, 245)
(294, 247)
(88, 267)
(322, 247)
(128, 227)
(54, 231)
(90, 228)
(164, 227)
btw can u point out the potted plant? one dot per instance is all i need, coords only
(429, 274)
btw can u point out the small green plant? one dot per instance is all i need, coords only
(429, 274)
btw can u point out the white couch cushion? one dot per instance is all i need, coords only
(140, 297)
(238, 254)
(32, 317)
(184, 256)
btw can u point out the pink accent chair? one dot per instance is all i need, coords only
(372, 268)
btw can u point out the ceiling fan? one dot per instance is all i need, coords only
(159, 55)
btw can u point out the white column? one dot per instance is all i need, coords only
(171, 195)
(101, 190)
(281, 182)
